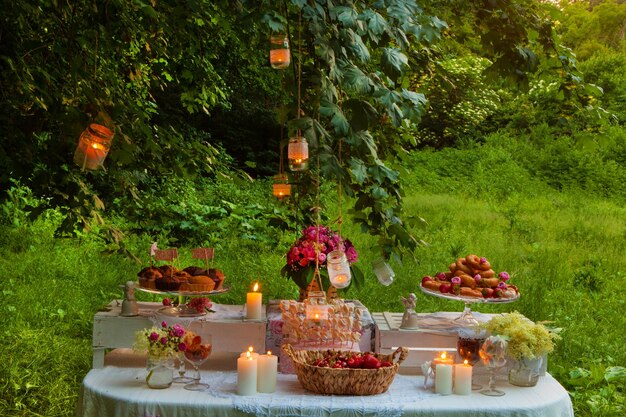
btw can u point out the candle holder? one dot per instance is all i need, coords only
(493, 356)
(93, 147)
(468, 346)
(338, 269)
(280, 56)
(298, 153)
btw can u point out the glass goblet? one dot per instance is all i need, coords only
(182, 378)
(492, 354)
(196, 355)
(468, 345)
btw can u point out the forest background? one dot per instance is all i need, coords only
(492, 127)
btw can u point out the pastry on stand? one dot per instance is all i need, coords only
(471, 280)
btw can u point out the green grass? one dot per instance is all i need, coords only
(564, 247)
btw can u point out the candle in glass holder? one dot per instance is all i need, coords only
(254, 303)
(246, 375)
(267, 372)
(463, 378)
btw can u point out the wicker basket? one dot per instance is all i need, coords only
(344, 381)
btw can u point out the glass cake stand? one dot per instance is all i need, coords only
(181, 310)
(467, 319)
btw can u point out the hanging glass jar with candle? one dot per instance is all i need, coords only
(93, 146)
(338, 269)
(383, 272)
(298, 153)
(281, 187)
(280, 56)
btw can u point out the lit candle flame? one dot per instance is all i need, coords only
(269, 352)
(256, 287)
(250, 349)
(248, 356)
(443, 355)
(465, 362)
(317, 316)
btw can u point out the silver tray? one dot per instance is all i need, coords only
(469, 299)
(185, 293)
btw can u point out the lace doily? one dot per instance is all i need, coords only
(290, 399)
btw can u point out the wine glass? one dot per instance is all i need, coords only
(492, 354)
(181, 378)
(468, 345)
(196, 355)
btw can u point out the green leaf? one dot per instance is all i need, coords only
(346, 15)
(393, 62)
(357, 276)
(365, 137)
(358, 170)
(355, 80)
(363, 114)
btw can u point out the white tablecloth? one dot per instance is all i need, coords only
(122, 392)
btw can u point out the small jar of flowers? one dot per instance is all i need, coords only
(313, 247)
(528, 344)
(162, 344)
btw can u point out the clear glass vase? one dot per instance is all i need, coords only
(160, 372)
(526, 372)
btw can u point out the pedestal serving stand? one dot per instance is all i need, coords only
(467, 319)
(181, 310)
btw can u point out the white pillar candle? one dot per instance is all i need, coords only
(246, 375)
(463, 378)
(254, 302)
(267, 372)
(443, 379)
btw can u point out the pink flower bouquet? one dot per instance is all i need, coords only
(317, 241)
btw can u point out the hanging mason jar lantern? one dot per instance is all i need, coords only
(279, 51)
(338, 269)
(281, 187)
(93, 146)
(383, 272)
(298, 153)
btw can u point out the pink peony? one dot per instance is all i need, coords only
(504, 276)
(182, 347)
(477, 278)
(163, 324)
(455, 280)
(178, 330)
(164, 340)
(502, 285)
(154, 336)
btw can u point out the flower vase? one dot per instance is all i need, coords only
(526, 372)
(160, 372)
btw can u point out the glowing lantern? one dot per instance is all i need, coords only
(93, 146)
(298, 153)
(279, 51)
(281, 187)
(316, 308)
(338, 269)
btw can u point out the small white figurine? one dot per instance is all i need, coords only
(409, 319)
(129, 305)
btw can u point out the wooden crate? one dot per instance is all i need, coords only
(110, 330)
(423, 344)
